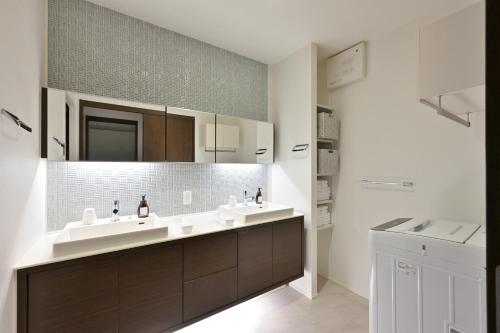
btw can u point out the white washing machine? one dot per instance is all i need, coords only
(427, 276)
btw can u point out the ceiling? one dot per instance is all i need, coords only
(269, 30)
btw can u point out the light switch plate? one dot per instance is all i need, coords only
(187, 197)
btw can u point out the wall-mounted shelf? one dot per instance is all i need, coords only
(325, 175)
(322, 202)
(325, 226)
(324, 108)
(326, 140)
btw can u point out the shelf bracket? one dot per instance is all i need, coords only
(445, 113)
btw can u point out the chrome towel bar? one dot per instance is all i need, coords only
(377, 182)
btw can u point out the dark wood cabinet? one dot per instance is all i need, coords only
(209, 255)
(160, 287)
(153, 137)
(150, 288)
(255, 260)
(288, 249)
(180, 138)
(209, 293)
(76, 298)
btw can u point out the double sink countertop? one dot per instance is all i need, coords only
(42, 252)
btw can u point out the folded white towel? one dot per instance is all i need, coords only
(321, 222)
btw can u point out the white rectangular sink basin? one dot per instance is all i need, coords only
(76, 237)
(191, 224)
(255, 213)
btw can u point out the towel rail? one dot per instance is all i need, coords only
(18, 121)
(407, 183)
(300, 147)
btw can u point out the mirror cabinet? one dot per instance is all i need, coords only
(80, 127)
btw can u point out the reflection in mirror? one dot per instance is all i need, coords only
(93, 128)
(120, 135)
(107, 134)
(189, 134)
(240, 140)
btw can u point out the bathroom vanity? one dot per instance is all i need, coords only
(160, 286)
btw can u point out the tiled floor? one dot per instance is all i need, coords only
(285, 310)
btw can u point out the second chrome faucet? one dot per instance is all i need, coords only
(116, 209)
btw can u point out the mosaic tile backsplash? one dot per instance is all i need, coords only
(95, 50)
(73, 186)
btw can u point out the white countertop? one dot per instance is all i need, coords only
(41, 252)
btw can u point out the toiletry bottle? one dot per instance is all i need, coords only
(143, 209)
(258, 196)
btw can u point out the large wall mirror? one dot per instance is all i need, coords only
(240, 140)
(80, 127)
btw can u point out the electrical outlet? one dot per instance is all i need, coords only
(187, 197)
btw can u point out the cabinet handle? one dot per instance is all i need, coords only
(261, 151)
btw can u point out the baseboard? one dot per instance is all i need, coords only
(343, 286)
(302, 291)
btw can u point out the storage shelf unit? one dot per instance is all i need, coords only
(324, 175)
(324, 108)
(320, 140)
(325, 226)
(322, 202)
(330, 144)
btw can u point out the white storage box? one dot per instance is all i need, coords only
(327, 126)
(328, 161)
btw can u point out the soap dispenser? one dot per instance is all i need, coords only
(258, 197)
(143, 209)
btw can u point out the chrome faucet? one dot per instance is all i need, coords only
(115, 217)
(246, 198)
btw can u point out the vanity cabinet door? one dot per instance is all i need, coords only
(77, 298)
(150, 284)
(288, 249)
(154, 138)
(255, 260)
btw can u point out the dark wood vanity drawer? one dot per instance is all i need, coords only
(288, 241)
(255, 260)
(209, 293)
(150, 281)
(209, 255)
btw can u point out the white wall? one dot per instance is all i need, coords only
(293, 104)
(386, 132)
(22, 173)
